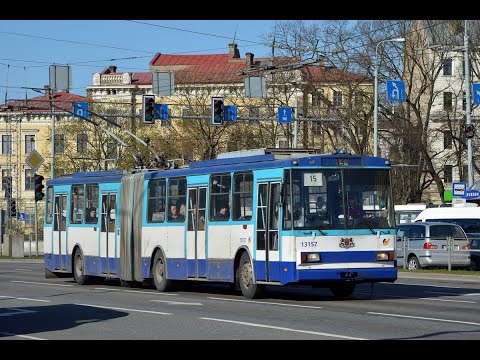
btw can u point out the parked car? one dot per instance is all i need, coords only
(475, 254)
(426, 245)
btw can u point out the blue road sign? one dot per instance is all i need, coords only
(161, 111)
(21, 216)
(459, 188)
(476, 93)
(284, 115)
(396, 91)
(472, 194)
(80, 109)
(230, 113)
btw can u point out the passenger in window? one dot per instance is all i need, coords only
(175, 215)
(92, 215)
(183, 211)
(224, 213)
(355, 209)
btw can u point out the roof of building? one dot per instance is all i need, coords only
(61, 100)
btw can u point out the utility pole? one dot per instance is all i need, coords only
(468, 107)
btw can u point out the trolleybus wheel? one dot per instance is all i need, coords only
(160, 274)
(342, 290)
(79, 268)
(245, 274)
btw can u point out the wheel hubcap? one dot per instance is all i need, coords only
(79, 263)
(247, 275)
(160, 269)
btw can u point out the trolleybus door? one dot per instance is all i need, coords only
(196, 254)
(108, 228)
(60, 231)
(268, 245)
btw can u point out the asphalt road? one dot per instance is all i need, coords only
(416, 306)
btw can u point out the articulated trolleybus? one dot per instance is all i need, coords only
(249, 218)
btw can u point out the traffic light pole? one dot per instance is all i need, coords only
(468, 108)
(36, 231)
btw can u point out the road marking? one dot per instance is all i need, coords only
(425, 318)
(471, 294)
(267, 303)
(459, 301)
(39, 283)
(438, 286)
(17, 312)
(126, 309)
(13, 297)
(169, 302)
(284, 329)
(24, 269)
(22, 336)
(136, 291)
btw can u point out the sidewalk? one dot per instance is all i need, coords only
(437, 276)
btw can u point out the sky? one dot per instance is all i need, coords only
(30, 47)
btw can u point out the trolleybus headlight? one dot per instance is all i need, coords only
(310, 257)
(385, 256)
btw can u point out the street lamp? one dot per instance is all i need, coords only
(375, 95)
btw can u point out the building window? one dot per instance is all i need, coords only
(282, 144)
(29, 143)
(447, 100)
(447, 67)
(337, 99)
(59, 143)
(253, 112)
(7, 144)
(112, 150)
(82, 140)
(317, 128)
(447, 139)
(29, 179)
(7, 178)
(358, 100)
(448, 174)
(317, 98)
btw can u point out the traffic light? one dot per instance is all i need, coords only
(13, 209)
(217, 111)
(148, 109)
(39, 194)
(469, 131)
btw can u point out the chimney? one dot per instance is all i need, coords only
(112, 69)
(249, 60)
(233, 52)
(48, 91)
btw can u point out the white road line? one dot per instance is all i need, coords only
(424, 285)
(13, 297)
(136, 291)
(425, 318)
(284, 329)
(126, 309)
(17, 312)
(169, 302)
(266, 302)
(472, 294)
(23, 336)
(459, 301)
(24, 269)
(39, 283)
(443, 293)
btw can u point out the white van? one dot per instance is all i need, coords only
(467, 216)
(407, 213)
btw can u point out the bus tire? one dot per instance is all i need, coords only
(160, 280)
(342, 290)
(245, 279)
(79, 268)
